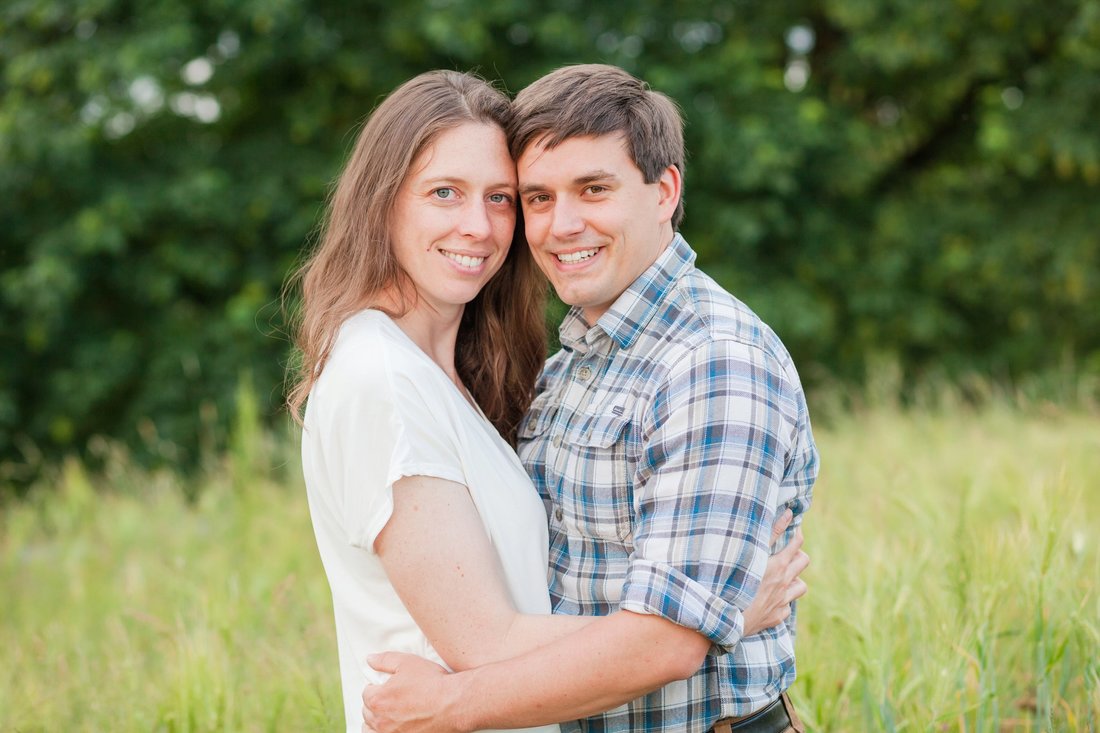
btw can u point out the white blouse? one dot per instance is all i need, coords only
(382, 410)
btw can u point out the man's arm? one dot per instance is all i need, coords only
(612, 660)
(716, 439)
(609, 662)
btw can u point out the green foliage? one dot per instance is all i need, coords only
(954, 585)
(908, 181)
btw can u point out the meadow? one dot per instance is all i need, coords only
(954, 585)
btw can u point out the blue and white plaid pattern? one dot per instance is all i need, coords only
(664, 440)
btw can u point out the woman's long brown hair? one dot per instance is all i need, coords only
(502, 337)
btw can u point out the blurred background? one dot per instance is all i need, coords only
(908, 191)
(910, 185)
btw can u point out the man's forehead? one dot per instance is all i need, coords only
(550, 140)
(537, 150)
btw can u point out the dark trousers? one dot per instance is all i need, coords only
(778, 717)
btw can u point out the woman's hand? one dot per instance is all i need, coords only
(781, 585)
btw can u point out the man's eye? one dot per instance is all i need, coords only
(596, 189)
(539, 198)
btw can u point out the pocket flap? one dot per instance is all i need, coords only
(598, 431)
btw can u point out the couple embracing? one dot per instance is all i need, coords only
(608, 541)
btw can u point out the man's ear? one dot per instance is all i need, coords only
(669, 186)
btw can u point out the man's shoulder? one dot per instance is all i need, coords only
(700, 312)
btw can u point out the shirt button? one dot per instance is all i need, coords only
(557, 513)
(584, 373)
(557, 441)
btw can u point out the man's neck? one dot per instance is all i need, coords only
(591, 315)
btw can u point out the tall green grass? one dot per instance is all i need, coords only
(955, 585)
(127, 607)
(955, 574)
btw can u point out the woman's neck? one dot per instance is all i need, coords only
(432, 329)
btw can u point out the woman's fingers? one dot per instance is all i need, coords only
(798, 564)
(781, 523)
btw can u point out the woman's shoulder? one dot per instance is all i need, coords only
(370, 340)
(376, 372)
(372, 351)
(367, 328)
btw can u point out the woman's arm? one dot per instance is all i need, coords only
(445, 570)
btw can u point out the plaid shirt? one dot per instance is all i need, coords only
(664, 440)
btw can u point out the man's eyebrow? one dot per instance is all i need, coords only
(597, 175)
(587, 178)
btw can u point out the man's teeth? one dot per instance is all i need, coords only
(580, 256)
(463, 259)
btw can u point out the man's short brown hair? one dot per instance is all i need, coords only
(597, 99)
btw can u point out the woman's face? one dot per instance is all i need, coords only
(455, 214)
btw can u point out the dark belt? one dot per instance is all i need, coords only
(777, 717)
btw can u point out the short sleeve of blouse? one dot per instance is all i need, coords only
(377, 424)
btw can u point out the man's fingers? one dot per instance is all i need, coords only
(781, 523)
(369, 718)
(368, 693)
(385, 662)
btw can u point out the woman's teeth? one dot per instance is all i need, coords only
(463, 259)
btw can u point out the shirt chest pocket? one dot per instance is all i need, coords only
(594, 469)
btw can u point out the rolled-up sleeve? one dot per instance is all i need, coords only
(715, 443)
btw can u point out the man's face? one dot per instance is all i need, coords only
(593, 223)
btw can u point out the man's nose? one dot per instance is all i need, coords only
(567, 221)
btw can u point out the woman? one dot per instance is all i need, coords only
(416, 361)
(422, 333)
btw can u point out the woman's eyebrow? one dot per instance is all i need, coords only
(455, 181)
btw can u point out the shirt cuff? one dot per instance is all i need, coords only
(659, 589)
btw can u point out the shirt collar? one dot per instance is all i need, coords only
(634, 309)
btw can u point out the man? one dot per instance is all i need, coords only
(666, 437)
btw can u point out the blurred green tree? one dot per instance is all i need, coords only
(905, 180)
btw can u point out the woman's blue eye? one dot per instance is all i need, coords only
(499, 198)
(444, 193)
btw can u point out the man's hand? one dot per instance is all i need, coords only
(413, 700)
(781, 585)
